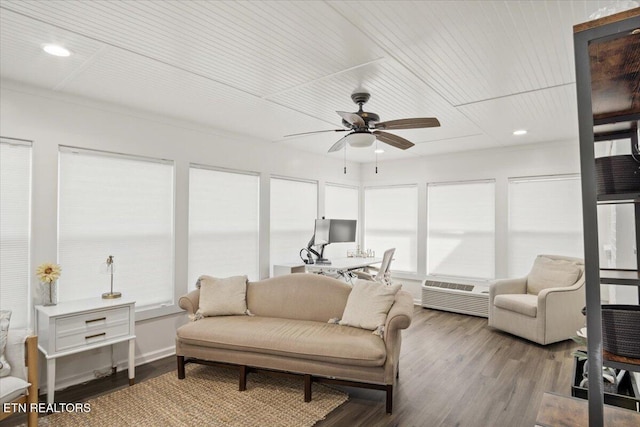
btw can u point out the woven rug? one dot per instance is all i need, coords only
(208, 396)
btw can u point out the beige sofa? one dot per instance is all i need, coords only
(289, 331)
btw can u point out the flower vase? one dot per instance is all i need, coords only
(609, 387)
(49, 293)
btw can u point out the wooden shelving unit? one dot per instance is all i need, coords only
(607, 57)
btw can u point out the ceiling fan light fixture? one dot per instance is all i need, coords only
(520, 132)
(378, 151)
(360, 139)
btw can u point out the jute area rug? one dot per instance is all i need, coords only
(208, 396)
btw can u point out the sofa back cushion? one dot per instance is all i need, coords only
(298, 296)
(551, 273)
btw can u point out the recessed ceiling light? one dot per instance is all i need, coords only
(520, 132)
(378, 151)
(56, 50)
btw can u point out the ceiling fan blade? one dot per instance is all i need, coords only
(339, 145)
(415, 123)
(352, 118)
(393, 140)
(316, 131)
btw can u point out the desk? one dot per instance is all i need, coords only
(74, 326)
(340, 265)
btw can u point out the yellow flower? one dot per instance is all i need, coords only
(48, 272)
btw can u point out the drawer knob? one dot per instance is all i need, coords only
(95, 336)
(95, 320)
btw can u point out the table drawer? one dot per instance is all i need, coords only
(90, 328)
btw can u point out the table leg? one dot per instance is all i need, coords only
(51, 379)
(132, 364)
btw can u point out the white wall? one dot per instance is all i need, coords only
(553, 158)
(50, 119)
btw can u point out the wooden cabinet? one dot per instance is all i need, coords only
(607, 56)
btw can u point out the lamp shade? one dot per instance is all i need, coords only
(360, 139)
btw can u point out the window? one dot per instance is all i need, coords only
(340, 202)
(15, 198)
(223, 223)
(461, 229)
(294, 208)
(115, 205)
(391, 221)
(545, 217)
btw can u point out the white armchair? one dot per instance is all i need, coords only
(545, 306)
(21, 386)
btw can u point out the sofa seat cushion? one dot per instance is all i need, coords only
(303, 339)
(526, 304)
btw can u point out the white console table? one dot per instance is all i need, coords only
(75, 326)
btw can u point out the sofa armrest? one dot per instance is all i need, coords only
(400, 314)
(190, 302)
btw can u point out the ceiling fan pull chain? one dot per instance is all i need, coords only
(376, 151)
(345, 159)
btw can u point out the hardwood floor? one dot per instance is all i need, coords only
(454, 371)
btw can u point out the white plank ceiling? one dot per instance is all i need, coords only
(270, 68)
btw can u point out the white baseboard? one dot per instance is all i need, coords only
(83, 377)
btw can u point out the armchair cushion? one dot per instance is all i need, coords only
(5, 366)
(11, 388)
(526, 304)
(551, 273)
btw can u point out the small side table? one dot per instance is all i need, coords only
(75, 326)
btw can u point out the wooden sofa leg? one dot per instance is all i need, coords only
(389, 398)
(307, 388)
(243, 378)
(180, 367)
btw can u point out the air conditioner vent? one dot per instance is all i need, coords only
(445, 285)
(456, 297)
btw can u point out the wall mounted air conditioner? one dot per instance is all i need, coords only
(462, 298)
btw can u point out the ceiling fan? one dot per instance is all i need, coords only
(366, 127)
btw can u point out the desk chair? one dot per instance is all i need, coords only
(383, 274)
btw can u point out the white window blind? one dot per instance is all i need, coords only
(545, 217)
(461, 229)
(340, 202)
(294, 207)
(223, 223)
(391, 221)
(121, 206)
(15, 203)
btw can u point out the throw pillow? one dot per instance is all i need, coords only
(5, 316)
(222, 297)
(368, 305)
(551, 273)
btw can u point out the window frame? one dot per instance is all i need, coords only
(494, 254)
(404, 273)
(529, 179)
(27, 144)
(146, 311)
(192, 165)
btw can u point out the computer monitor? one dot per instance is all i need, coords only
(321, 233)
(342, 230)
